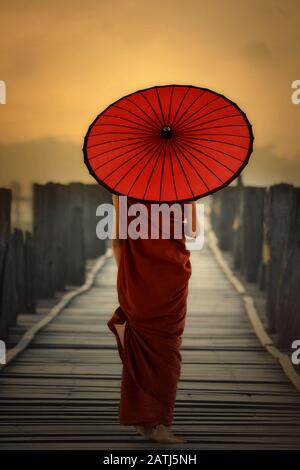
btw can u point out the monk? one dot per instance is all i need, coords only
(152, 286)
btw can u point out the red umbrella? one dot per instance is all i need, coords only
(168, 143)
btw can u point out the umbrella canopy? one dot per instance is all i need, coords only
(168, 143)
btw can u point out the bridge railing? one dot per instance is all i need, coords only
(260, 227)
(39, 264)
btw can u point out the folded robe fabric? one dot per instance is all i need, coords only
(152, 286)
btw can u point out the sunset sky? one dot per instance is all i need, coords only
(64, 61)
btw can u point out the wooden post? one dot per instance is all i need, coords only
(9, 292)
(288, 287)
(5, 213)
(19, 260)
(278, 213)
(215, 212)
(39, 214)
(30, 278)
(44, 221)
(251, 216)
(236, 243)
(76, 252)
(5, 229)
(227, 215)
(60, 234)
(94, 195)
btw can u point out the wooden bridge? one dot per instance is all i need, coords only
(61, 387)
(63, 390)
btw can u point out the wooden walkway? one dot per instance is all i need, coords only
(63, 391)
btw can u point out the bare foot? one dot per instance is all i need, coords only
(144, 431)
(163, 434)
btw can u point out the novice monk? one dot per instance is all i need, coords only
(152, 284)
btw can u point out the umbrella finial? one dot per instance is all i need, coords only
(167, 132)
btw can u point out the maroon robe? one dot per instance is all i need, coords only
(152, 285)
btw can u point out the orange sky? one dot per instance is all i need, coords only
(65, 61)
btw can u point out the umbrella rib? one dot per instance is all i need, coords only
(147, 162)
(217, 141)
(182, 169)
(197, 126)
(211, 148)
(177, 110)
(162, 170)
(150, 104)
(192, 134)
(203, 116)
(128, 160)
(220, 127)
(119, 156)
(134, 114)
(187, 109)
(123, 176)
(171, 97)
(152, 171)
(199, 175)
(202, 163)
(209, 156)
(121, 125)
(116, 148)
(142, 126)
(197, 111)
(147, 115)
(161, 110)
(124, 132)
(114, 141)
(173, 176)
